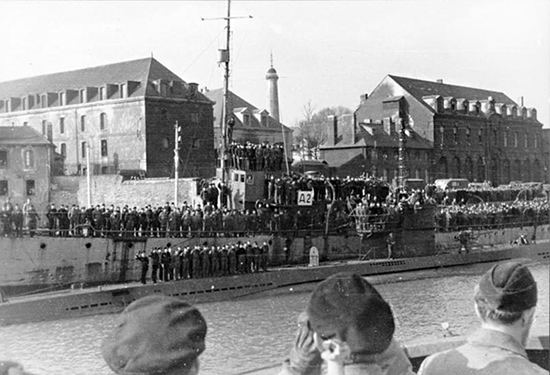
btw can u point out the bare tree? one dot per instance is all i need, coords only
(312, 129)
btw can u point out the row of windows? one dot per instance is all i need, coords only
(409, 155)
(28, 159)
(47, 127)
(495, 138)
(30, 188)
(52, 99)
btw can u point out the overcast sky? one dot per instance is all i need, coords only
(326, 52)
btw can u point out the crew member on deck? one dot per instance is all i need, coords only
(144, 259)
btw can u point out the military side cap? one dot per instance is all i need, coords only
(155, 335)
(508, 287)
(347, 307)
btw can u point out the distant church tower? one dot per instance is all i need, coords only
(273, 91)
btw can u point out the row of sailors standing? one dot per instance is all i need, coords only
(203, 261)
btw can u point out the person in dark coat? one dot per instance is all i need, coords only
(17, 220)
(144, 259)
(165, 260)
(155, 262)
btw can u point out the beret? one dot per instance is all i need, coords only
(347, 307)
(155, 335)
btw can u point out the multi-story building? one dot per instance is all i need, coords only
(472, 133)
(26, 160)
(251, 123)
(116, 117)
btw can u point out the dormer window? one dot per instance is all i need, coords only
(62, 98)
(24, 105)
(246, 119)
(82, 96)
(264, 120)
(122, 90)
(102, 95)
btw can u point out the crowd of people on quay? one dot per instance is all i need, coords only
(358, 202)
(493, 215)
(195, 262)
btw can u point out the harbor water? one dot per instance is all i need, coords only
(256, 331)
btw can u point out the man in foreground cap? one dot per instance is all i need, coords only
(348, 322)
(156, 335)
(505, 300)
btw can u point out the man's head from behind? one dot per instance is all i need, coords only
(506, 294)
(156, 335)
(346, 307)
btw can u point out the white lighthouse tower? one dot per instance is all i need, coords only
(273, 91)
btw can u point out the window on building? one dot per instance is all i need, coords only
(505, 138)
(165, 143)
(516, 139)
(469, 136)
(104, 148)
(63, 149)
(442, 135)
(480, 136)
(495, 137)
(30, 187)
(102, 93)
(535, 142)
(44, 123)
(195, 118)
(104, 170)
(3, 159)
(102, 121)
(83, 149)
(62, 125)
(246, 119)
(62, 99)
(264, 121)
(123, 90)
(37, 99)
(3, 187)
(25, 123)
(82, 96)
(29, 158)
(163, 89)
(164, 114)
(44, 101)
(526, 140)
(83, 123)
(455, 134)
(50, 132)
(24, 105)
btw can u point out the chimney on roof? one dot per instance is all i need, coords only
(363, 98)
(520, 101)
(439, 80)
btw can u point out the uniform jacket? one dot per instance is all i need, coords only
(393, 361)
(486, 352)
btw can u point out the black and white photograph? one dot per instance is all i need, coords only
(275, 187)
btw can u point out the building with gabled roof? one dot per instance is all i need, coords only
(26, 162)
(252, 124)
(122, 115)
(478, 134)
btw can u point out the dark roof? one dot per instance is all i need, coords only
(22, 135)
(141, 70)
(379, 138)
(419, 88)
(236, 102)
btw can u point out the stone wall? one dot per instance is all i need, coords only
(111, 190)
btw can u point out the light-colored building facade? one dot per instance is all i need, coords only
(116, 117)
(26, 161)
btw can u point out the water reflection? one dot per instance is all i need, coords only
(257, 331)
